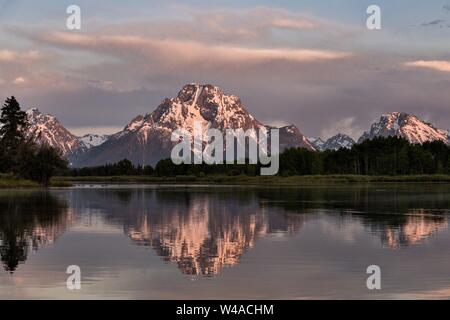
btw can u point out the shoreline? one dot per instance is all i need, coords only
(315, 180)
(17, 183)
(256, 180)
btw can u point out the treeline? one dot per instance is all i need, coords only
(20, 155)
(164, 168)
(121, 168)
(380, 156)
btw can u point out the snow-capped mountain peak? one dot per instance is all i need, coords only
(147, 138)
(202, 104)
(336, 142)
(409, 127)
(197, 104)
(317, 143)
(47, 129)
(92, 140)
(339, 141)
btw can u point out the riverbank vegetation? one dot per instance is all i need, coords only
(314, 180)
(8, 181)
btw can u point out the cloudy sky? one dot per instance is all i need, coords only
(307, 62)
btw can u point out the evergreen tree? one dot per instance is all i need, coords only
(13, 123)
(39, 162)
(403, 161)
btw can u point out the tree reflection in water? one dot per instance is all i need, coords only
(28, 220)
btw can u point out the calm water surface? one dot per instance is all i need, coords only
(188, 242)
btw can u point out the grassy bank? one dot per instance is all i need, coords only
(7, 181)
(12, 182)
(258, 180)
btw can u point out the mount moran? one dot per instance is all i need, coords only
(147, 138)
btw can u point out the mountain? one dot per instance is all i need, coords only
(334, 143)
(317, 143)
(147, 138)
(338, 141)
(291, 137)
(92, 140)
(47, 129)
(406, 126)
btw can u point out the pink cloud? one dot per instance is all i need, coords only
(19, 80)
(181, 52)
(439, 65)
(17, 56)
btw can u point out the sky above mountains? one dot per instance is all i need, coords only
(310, 63)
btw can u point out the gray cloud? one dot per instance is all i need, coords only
(433, 23)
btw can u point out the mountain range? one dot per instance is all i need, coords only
(147, 138)
(334, 143)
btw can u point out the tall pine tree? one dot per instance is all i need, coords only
(13, 123)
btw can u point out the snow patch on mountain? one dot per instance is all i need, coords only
(406, 126)
(317, 143)
(336, 142)
(92, 140)
(339, 141)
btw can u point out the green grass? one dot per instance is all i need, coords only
(258, 180)
(8, 181)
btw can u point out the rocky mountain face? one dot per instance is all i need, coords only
(317, 143)
(147, 139)
(291, 137)
(406, 126)
(334, 143)
(47, 129)
(92, 140)
(339, 141)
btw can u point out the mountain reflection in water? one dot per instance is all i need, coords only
(203, 235)
(204, 229)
